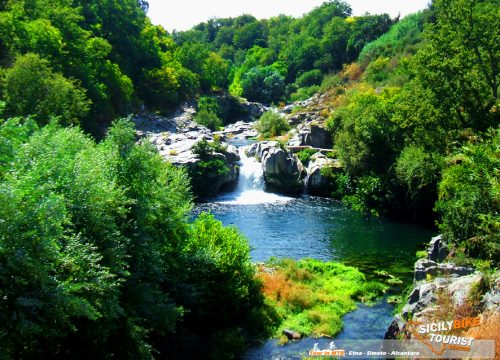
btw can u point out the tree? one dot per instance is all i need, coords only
(249, 35)
(32, 88)
(366, 138)
(419, 172)
(264, 84)
(459, 65)
(215, 71)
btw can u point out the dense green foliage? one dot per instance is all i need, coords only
(271, 59)
(208, 119)
(97, 254)
(305, 155)
(469, 199)
(272, 124)
(207, 173)
(32, 88)
(104, 50)
(423, 97)
(401, 40)
(104, 58)
(95, 238)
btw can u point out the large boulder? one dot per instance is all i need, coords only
(239, 130)
(252, 110)
(175, 136)
(438, 250)
(316, 182)
(312, 135)
(258, 150)
(283, 171)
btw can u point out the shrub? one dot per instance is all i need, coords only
(95, 238)
(309, 78)
(377, 71)
(204, 173)
(209, 104)
(305, 155)
(330, 82)
(208, 119)
(272, 124)
(304, 93)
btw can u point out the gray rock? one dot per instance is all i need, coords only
(312, 135)
(491, 299)
(316, 183)
(452, 270)
(275, 162)
(175, 136)
(447, 280)
(253, 109)
(283, 172)
(260, 149)
(437, 250)
(396, 329)
(232, 155)
(304, 117)
(239, 130)
(424, 267)
(291, 335)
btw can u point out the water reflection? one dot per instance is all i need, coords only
(321, 229)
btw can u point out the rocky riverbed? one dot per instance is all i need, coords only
(174, 137)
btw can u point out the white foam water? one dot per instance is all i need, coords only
(251, 185)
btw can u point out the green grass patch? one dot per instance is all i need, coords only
(312, 296)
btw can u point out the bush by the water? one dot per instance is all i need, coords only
(204, 173)
(305, 155)
(272, 124)
(95, 238)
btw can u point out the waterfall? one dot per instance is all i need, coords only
(306, 184)
(251, 186)
(251, 174)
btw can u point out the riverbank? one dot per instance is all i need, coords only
(312, 296)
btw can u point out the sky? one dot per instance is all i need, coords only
(184, 14)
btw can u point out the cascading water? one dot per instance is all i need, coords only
(251, 185)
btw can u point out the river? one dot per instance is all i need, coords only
(312, 227)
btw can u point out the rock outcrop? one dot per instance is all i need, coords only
(252, 110)
(311, 135)
(437, 250)
(437, 285)
(175, 136)
(239, 130)
(283, 171)
(316, 182)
